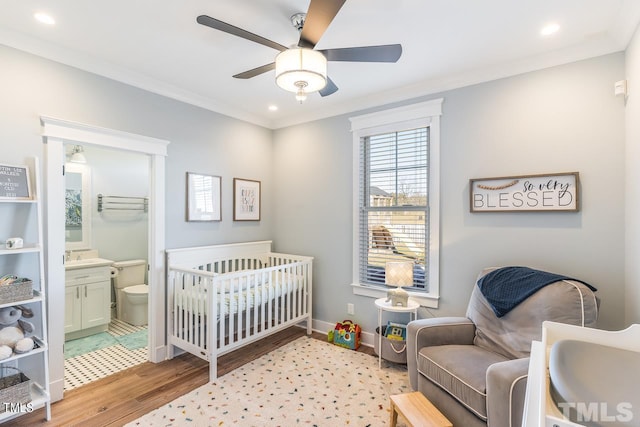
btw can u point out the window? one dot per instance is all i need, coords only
(393, 204)
(396, 200)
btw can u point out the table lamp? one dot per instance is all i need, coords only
(398, 273)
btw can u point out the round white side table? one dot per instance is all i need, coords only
(383, 305)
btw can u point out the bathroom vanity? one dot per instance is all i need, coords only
(87, 297)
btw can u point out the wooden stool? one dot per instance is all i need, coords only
(417, 410)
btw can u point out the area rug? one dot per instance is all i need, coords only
(134, 340)
(306, 382)
(88, 344)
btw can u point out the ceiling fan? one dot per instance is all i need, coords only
(302, 69)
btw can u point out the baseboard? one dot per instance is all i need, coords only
(56, 390)
(319, 326)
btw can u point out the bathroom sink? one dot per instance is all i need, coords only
(86, 263)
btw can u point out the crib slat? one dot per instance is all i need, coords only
(247, 311)
(264, 294)
(212, 322)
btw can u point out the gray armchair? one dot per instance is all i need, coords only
(474, 368)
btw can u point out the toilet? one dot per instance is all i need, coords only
(132, 294)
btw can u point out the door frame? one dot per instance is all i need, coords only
(56, 133)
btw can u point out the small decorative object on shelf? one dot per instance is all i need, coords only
(14, 243)
(13, 330)
(398, 297)
(14, 183)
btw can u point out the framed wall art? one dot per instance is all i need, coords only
(203, 197)
(14, 183)
(246, 200)
(551, 192)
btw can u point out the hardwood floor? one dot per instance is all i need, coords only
(127, 395)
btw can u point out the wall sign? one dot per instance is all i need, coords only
(14, 182)
(551, 192)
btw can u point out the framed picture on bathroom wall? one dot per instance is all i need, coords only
(203, 197)
(246, 200)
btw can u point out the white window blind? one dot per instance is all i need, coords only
(393, 204)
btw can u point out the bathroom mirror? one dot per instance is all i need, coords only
(77, 206)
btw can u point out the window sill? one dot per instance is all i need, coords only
(423, 298)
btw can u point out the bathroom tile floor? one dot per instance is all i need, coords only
(88, 367)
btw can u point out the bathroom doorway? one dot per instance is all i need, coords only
(106, 232)
(57, 134)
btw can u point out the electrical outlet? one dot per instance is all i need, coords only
(350, 309)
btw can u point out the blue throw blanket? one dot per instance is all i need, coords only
(507, 287)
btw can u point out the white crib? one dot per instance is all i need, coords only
(223, 297)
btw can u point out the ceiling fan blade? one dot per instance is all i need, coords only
(256, 71)
(319, 17)
(384, 53)
(329, 88)
(233, 30)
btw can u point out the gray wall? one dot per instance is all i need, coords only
(561, 119)
(201, 141)
(555, 120)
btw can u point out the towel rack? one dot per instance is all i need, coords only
(122, 203)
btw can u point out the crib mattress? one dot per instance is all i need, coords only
(595, 385)
(240, 295)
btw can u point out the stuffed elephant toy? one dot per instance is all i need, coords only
(398, 297)
(13, 330)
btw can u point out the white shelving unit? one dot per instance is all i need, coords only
(23, 218)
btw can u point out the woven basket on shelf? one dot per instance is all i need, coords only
(14, 388)
(16, 292)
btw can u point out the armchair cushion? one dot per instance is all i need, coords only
(565, 301)
(435, 331)
(461, 370)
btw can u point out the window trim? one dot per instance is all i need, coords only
(423, 114)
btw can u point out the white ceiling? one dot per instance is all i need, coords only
(158, 46)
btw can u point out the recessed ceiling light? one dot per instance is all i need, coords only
(549, 29)
(273, 108)
(44, 18)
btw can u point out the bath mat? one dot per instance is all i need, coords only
(133, 341)
(88, 344)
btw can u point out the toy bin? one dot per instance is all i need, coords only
(392, 350)
(13, 288)
(14, 388)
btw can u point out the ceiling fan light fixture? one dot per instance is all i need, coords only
(301, 70)
(301, 95)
